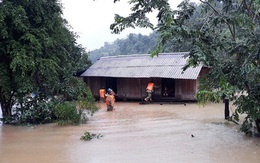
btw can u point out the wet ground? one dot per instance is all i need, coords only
(135, 133)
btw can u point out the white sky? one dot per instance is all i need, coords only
(91, 20)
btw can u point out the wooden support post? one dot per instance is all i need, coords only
(226, 108)
(140, 90)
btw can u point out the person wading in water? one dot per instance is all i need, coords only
(110, 99)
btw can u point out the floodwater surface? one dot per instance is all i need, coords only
(149, 133)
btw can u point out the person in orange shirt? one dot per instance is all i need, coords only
(110, 99)
(149, 90)
(102, 93)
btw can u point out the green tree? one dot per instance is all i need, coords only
(224, 37)
(38, 54)
(133, 44)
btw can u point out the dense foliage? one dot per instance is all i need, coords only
(137, 44)
(67, 113)
(74, 111)
(133, 44)
(39, 56)
(224, 35)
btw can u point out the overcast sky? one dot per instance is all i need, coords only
(91, 20)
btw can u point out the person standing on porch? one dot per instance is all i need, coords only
(149, 90)
(165, 92)
(110, 99)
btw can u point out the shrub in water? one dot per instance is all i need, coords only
(85, 100)
(67, 113)
(88, 136)
(39, 113)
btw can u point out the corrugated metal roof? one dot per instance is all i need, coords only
(166, 65)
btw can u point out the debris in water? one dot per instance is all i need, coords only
(88, 136)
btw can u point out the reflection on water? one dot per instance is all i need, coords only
(135, 133)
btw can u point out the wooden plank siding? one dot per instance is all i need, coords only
(135, 89)
(186, 89)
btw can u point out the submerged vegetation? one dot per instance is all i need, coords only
(77, 111)
(89, 136)
(74, 109)
(67, 113)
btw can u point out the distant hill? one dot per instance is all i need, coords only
(135, 44)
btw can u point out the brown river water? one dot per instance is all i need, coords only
(149, 133)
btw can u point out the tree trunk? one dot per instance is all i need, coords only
(257, 122)
(6, 109)
(226, 108)
(6, 106)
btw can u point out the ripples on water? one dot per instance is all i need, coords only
(135, 133)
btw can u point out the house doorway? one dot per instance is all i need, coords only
(168, 87)
(111, 83)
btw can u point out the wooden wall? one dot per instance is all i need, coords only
(95, 84)
(185, 89)
(135, 89)
(203, 71)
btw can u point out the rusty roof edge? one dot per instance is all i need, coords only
(140, 55)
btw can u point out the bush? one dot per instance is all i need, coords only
(87, 102)
(72, 105)
(67, 113)
(39, 113)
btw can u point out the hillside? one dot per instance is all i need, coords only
(133, 44)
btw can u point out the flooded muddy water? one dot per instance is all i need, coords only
(135, 133)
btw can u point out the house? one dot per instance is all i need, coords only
(128, 76)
